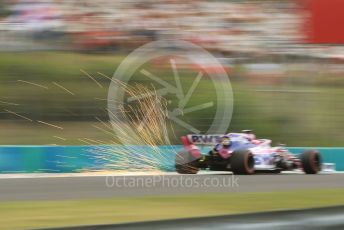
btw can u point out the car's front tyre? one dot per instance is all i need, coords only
(311, 161)
(242, 162)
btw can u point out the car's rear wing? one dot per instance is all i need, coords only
(190, 141)
(198, 139)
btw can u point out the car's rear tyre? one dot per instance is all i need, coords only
(242, 162)
(311, 161)
(186, 163)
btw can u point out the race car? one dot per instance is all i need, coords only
(242, 153)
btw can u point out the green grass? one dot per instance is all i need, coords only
(33, 133)
(312, 116)
(39, 214)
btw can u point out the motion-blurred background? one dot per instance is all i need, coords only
(284, 59)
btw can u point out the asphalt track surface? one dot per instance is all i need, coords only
(106, 186)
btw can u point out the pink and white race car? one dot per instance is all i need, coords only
(241, 153)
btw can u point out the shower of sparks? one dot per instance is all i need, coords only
(92, 141)
(104, 131)
(31, 83)
(51, 125)
(60, 86)
(107, 77)
(8, 103)
(149, 113)
(92, 78)
(103, 99)
(84, 141)
(61, 138)
(105, 124)
(140, 129)
(21, 116)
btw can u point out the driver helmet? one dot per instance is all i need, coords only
(226, 141)
(249, 134)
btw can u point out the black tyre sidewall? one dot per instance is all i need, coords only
(308, 160)
(240, 162)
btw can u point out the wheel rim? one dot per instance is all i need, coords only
(316, 162)
(249, 163)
